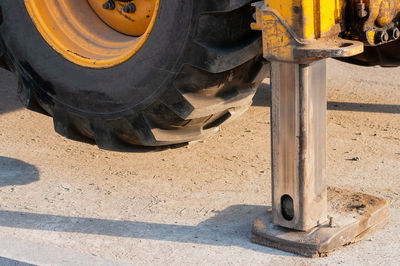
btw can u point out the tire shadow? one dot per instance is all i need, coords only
(14, 172)
(263, 96)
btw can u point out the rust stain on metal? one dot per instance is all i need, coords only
(259, 224)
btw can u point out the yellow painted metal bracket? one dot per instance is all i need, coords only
(302, 31)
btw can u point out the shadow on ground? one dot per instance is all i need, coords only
(14, 172)
(230, 227)
(263, 98)
(9, 262)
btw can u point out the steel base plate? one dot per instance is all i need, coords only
(353, 216)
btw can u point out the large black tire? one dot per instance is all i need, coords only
(199, 68)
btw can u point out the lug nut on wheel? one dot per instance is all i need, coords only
(130, 8)
(109, 5)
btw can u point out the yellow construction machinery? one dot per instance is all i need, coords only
(161, 72)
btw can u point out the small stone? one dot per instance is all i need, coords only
(331, 222)
(354, 159)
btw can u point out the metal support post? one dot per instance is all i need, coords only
(298, 119)
(307, 217)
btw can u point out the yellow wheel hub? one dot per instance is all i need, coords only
(89, 33)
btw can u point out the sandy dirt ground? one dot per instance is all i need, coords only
(192, 204)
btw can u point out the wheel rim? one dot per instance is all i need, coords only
(87, 34)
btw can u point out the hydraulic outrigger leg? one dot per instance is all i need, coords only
(306, 217)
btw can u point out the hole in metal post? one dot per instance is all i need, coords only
(287, 207)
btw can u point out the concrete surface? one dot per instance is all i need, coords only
(193, 204)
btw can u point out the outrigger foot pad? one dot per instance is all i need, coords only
(352, 216)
